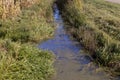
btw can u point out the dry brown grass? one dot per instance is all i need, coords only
(12, 8)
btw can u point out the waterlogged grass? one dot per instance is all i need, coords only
(96, 24)
(19, 58)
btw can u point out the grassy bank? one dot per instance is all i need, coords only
(96, 24)
(19, 57)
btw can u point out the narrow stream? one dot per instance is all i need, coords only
(71, 62)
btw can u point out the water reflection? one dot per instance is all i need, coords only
(71, 64)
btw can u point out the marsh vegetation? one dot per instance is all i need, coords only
(96, 24)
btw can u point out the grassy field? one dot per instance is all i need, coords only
(96, 24)
(20, 59)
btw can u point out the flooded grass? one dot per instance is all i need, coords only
(95, 24)
(71, 62)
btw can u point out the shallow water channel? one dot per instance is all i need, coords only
(71, 62)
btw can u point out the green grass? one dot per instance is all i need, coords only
(105, 15)
(30, 26)
(24, 62)
(96, 24)
(20, 59)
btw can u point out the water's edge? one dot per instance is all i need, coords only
(71, 62)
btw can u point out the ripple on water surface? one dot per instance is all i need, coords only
(71, 64)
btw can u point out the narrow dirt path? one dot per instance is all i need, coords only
(115, 1)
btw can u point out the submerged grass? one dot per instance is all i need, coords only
(19, 58)
(96, 24)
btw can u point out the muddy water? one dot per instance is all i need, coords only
(71, 62)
